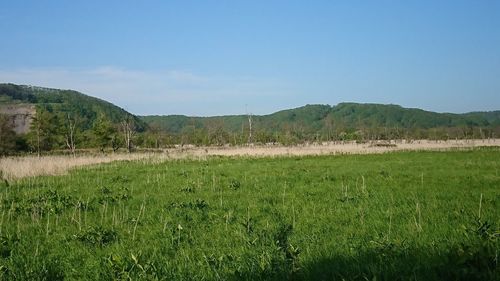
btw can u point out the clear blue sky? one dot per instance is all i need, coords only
(220, 57)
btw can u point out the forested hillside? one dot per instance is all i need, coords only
(62, 119)
(343, 121)
(66, 119)
(86, 108)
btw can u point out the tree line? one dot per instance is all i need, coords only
(53, 130)
(56, 131)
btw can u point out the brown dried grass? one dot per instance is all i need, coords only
(334, 148)
(30, 166)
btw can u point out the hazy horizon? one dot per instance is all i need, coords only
(228, 57)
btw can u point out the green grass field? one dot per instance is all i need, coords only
(396, 216)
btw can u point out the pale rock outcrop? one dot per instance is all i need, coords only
(21, 116)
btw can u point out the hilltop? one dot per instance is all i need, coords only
(44, 119)
(326, 119)
(307, 119)
(99, 124)
(86, 108)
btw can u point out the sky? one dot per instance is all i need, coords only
(232, 57)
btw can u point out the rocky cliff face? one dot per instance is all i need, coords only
(21, 116)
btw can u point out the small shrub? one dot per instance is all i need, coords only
(97, 236)
(7, 244)
(234, 184)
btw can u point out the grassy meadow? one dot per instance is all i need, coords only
(392, 216)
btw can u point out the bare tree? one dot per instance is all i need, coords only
(70, 135)
(250, 137)
(38, 137)
(38, 129)
(156, 134)
(128, 129)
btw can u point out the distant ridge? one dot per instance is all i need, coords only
(310, 122)
(344, 116)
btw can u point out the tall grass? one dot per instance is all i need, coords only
(347, 217)
(12, 168)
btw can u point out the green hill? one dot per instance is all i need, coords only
(86, 108)
(98, 123)
(344, 116)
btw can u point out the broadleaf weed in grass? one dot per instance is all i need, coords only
(350, 217)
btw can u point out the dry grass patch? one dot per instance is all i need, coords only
(30, 166)
(333, 148)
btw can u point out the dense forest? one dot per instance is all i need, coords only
(86, 108)
(64, 119)
(69, 120)
(345, 121)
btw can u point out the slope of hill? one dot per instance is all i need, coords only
(345, 116)
(86, 108)
(344, 121)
